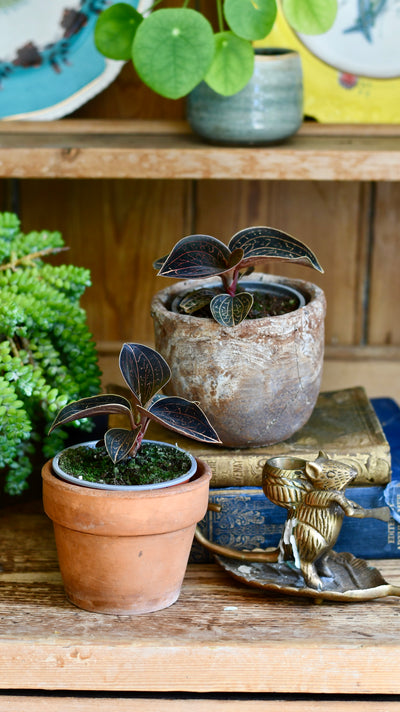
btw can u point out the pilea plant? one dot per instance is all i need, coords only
(174, 49)
(198, 256)
(145, 372)
(47, 355)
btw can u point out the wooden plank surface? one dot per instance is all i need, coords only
(219, 636)
(384, 322)
(107, 152)
(116, 229)
(49, 703)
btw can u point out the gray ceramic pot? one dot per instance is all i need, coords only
(257, 382)
(268, 110)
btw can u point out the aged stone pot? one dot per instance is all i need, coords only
(257, 382)
(269, 109)
(125, 552)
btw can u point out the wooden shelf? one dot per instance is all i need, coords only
(219, 637)
(73, 148)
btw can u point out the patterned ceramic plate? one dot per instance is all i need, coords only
(364, 39)
(49, 65)
(352, 72)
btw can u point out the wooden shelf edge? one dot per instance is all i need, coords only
(75, 148)
(187, 703)
(165, 126)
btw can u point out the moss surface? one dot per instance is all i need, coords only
(153, 463)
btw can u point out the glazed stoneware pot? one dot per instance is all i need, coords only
(124, 553)
(257, 382)
(269, 109)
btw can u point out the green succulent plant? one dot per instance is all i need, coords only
(47, 355)
(174, 49)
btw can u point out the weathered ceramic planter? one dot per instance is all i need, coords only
(268, 109)
(257, 382)
(124, 552)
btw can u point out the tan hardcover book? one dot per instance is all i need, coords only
(343, 424)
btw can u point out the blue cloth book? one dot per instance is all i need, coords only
(248, 520)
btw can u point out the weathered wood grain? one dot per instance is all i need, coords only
(219, 636)
(326, 216)
(184, 703)
(89, 154)
(384, 294)
(116, 229)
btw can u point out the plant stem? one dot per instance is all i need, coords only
(234, 282)
(220, 16)
(13, 346)
(140, 436)
(27, 259)
(230, 284)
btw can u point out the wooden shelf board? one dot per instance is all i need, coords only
(187, 703)
(220, 636)
(155, 149)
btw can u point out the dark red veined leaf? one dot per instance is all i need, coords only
(195, 300)
(145, 371)
(231, 310)
(95, 405)
(260, 244)
(157, 264)
(119, 442)
(197, 256)
(236, 257)
(183, 417)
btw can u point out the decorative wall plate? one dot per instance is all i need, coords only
(352, 72)
(49, 65)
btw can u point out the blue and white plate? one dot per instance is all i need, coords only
(363, 41)
(49, 65)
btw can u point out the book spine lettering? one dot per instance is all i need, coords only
(237, 470)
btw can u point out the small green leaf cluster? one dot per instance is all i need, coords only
(201, 256)
(47, 355)
(174, 49)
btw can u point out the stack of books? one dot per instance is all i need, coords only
(349, 427)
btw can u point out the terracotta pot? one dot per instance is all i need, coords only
(257, 382)
(124, 552)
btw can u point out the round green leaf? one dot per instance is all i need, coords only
(310, 17)
(250, 20)
(172, 51)
(232, 66)
(115, 30)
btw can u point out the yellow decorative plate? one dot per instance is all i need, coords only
(352, 72)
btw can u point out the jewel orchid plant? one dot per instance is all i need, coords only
(145, 372)
(201, 256)
(174, 49)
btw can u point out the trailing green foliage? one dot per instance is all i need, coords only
(174, 49)
(47, 356)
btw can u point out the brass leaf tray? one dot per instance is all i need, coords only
(352, 579)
